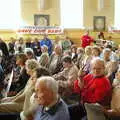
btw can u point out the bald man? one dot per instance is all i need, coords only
(94, 87)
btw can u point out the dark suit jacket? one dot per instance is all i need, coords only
(22, 80)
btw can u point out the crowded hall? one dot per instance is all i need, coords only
(59, 60)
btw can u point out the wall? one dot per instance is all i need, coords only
(90, 10)
(30, 7)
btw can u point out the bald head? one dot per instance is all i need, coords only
(98, 67)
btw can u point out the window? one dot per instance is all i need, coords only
(117, 14)
(72, 13)
(9, 14)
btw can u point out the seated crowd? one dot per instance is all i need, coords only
(46, 80)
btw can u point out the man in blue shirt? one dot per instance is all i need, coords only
(46, 41)
(51, 107)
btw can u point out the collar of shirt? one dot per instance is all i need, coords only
(52, 110)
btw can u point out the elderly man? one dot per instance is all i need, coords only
(95, 87)
(51, 107)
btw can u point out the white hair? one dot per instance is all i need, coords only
(32, 64)
(45, 46)
(97, 59)
(28, 50)
(106, 50)
(49, 83)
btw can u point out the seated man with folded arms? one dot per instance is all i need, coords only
(51, 106)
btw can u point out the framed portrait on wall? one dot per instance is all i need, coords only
(99, 23)
(41, 20)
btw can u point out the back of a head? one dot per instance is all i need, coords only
(67, 59)
(32, 64)
(22, 57)
(41, 71)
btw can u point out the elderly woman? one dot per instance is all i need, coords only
(44, 58)
(85, 64)
(15, 103)
(28, 105)
(29, 53)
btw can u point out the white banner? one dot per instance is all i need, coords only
(39, 30)
(113, 30)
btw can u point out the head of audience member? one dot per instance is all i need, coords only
(45, 36)
(108, 46)
(101, 35)
(28, 40)
(106, 54)
(46, 91)
(40, 71)
(58, 50)
(31, 65)
(29, 53)
(117, 75)
(80, 50)
(97, 67)
(96, 51)
(87, 33)
(21, 58)
(44, 49)
(21, 40)
(74, 49)
(110, 38)
(112, 66)
(67, 61)
(57, 39)
(36, 40)
(101, 48)
(12, 40)
(88, 51)
(67, 53)
(1, 40)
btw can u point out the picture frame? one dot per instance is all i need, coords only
(41, 20)
(99, 23)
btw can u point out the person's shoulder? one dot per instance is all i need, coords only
(62, 112)
(88, 76)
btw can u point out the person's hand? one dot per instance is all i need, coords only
(8, 99)
(108, 112)
(29, 117)
(80, 83)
